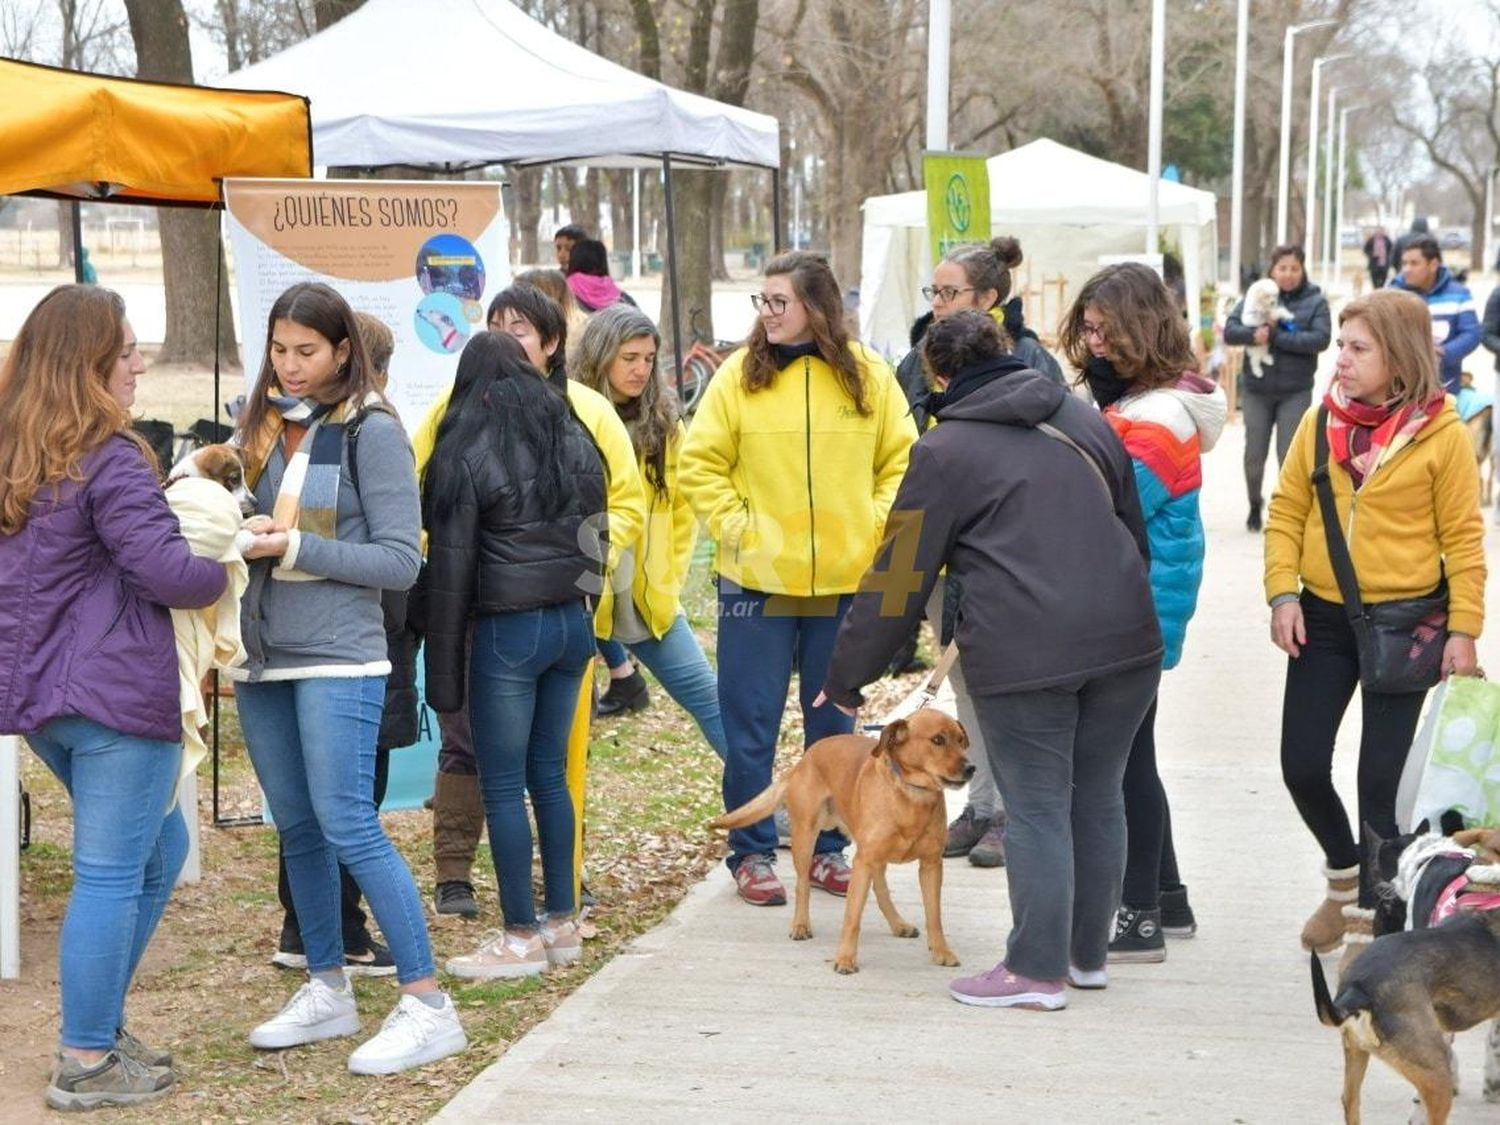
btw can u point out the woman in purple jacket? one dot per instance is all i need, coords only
(91, 560)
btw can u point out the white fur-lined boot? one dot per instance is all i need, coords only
(1359, 932)
(1325, 929)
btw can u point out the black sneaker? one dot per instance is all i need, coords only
(374, 960)
(1253, 521)
(456, 897)
(1176, 915)
(1138, 938)
(967, 829)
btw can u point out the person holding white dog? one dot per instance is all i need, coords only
(1279, 395)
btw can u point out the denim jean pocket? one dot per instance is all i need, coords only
(515, 637)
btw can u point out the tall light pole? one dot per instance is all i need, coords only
(1310, 226)
(1488, 248)
(1153, 128)
(1237, 189)
(1342, 181)
(939, 34)
(1328, 185)
(1287, 52)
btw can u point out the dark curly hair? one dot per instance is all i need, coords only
(1144, 332)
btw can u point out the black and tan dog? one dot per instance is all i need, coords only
(887, 794)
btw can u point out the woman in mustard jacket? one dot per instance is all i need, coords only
(792, 462)
(1407, 493)
(641, 609)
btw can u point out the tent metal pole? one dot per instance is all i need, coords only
(666, 179)
(76, 218)
(776, 243)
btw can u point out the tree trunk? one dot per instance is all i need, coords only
(621, 209)
(718, 205)
(692, 196)
(329, 12)
(526, 195)
(190, 245)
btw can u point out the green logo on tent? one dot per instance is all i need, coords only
(956, 199)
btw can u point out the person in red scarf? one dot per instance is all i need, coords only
(1407, 494)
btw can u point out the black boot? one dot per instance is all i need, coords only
(626, 694)
(1252, 521)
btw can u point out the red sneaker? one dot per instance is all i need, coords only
(757, 882)
(830, 872)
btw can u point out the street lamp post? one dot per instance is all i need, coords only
(1330, 239)
(1153, 128)
(939, 23)
(1237, 190)
(1342, 181)
(1287, 52)
(1309, 228)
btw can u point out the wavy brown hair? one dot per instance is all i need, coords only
(1401, 325)
(651, 418)
(818, 290)
(1144, 331)
(55, 405)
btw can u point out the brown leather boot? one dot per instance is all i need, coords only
(457, 823)
(1325, 929)
(1359, 932)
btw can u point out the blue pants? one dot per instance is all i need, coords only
(525, 672)
(761, 638)
(676, 660)
(127, 852)
(313, 746)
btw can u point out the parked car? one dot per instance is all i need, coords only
(1454, 240)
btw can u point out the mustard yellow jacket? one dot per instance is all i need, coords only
(627, 496)
(1415, 515)
(793, 482)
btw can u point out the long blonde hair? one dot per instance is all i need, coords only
(1401, 326)
(55, 405)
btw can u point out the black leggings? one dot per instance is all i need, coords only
(1319, 685)
(1150, 858)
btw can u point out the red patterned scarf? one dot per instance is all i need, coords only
(1361, 436)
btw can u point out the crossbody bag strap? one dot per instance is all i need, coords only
(1057, 435)
(1338, 548)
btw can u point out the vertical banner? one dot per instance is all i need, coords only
(958, 200)
(424, 257)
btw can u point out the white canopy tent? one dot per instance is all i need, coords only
(464, 83)
(1067, 208)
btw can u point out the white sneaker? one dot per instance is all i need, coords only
(1087, 978)
(562, 941)
(502, 955)
(412, 1035)
(315, 1012)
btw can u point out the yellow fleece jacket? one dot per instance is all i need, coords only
(793, 482)
(1415, 515)
(627, 497)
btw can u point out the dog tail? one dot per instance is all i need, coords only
(756, 809)
(1328, 1011)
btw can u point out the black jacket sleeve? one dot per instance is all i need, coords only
(447, 591)
(1310, 338)
(1235, 332)
(1491, 325)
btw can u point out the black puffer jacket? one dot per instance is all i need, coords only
(494, 552)
(1028, 350)
(1295, 344)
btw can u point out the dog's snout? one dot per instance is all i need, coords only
(968, 771)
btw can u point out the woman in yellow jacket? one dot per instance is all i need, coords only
(792, 462)
(1407, 495)
(641, 609)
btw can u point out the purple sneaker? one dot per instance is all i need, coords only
(1001, 988)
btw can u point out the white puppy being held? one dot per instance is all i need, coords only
(1262, 307)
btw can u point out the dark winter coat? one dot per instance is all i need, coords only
(1052, 561)
(1295, 344)
(1028, 349)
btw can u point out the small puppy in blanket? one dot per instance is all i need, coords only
(1262, 306)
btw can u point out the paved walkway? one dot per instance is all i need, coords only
(717, 1015)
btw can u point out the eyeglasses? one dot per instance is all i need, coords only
(946, 292)
(776, 304)
(1093, 330)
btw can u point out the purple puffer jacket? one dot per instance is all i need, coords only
(85, 588)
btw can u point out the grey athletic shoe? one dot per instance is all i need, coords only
(117, 1079)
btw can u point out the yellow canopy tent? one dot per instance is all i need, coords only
(84, 136)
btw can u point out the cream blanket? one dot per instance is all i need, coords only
(209, 637)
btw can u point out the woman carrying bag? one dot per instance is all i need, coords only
(1401, 480)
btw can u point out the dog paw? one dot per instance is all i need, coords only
(844, 967)
(800, 931)
(906, 929)
(944, 957)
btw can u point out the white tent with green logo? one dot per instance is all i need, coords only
(1068, 209)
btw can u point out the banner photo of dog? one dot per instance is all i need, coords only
(423, 257)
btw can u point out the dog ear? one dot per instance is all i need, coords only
(963, 734)
(1451, 821)
(1423, 828)
(895, 733)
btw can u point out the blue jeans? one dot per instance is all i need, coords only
(313, 746)
(761, 637)
(127, 852)
(678, 663)
(613, 651)
(525, 672)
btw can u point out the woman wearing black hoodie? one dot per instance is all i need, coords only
(1279, 397)
(1056, 629)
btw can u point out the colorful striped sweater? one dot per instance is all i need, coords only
(1166, 431)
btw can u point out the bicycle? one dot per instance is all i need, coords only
(702, 360)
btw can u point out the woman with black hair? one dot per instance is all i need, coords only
(588, 277)
(513, 503)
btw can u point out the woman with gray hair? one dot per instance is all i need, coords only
(641, 610)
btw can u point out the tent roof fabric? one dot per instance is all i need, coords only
(470, 82)
(86, 136)
(1046, 182)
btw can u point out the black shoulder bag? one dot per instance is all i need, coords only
(1400, 643)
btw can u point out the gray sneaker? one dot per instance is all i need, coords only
(128, 1044)
(117, 1079)
(967, 829)
(990, 851)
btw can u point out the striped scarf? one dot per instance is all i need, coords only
(1362, 437)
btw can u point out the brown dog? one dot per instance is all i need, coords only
(220, 462)
(887, 795)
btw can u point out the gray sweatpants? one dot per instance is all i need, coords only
(984, 797)
(1059, 755)
(1262, 413)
